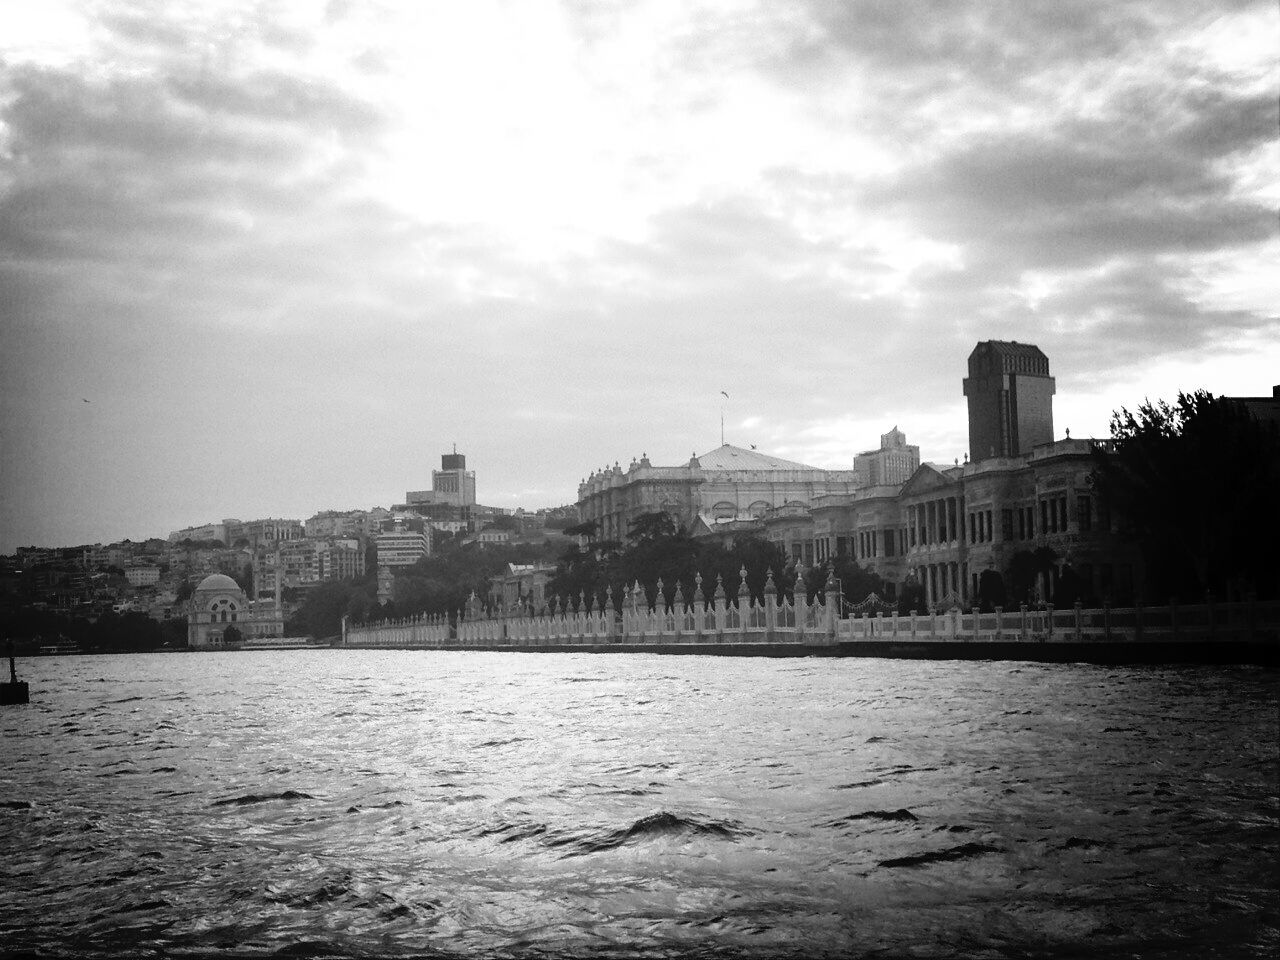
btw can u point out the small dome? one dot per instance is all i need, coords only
(217, 582)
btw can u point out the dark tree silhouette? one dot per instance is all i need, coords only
(1194, 482)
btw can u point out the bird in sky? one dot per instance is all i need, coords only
(723, 394)
(86, 401)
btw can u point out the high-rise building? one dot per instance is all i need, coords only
(1010, 399)
(893, 463)
(452, 497)
(453, 483)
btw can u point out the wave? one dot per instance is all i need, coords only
(502, 743)
(16, 805)
(654, 826)
(859, 785)
(965, 851)
(901, 814)
(251, 798)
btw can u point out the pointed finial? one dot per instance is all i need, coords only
(770, 588)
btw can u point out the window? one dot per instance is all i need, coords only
(1084, 513)
(1006, 524)
(888, 543)
(990, 529)
(1044, 515)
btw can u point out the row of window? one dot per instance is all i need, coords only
(1015, 523)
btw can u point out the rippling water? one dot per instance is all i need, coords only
(427, 803)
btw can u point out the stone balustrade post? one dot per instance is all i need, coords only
(719, 601)
(832, 592)
(770, 606)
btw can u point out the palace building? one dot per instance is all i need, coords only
(947, 526)
(728, 485)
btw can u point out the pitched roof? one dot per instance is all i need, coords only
(729, 457)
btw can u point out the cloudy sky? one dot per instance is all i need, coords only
(291, 252)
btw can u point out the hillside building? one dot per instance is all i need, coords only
(894, 462)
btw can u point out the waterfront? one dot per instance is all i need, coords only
(436, 803)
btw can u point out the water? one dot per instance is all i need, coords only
(369, 803)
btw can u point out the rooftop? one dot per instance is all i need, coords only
(729, 457)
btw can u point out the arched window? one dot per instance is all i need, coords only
(724, 510)
(224, 616)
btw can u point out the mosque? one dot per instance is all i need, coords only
(218, 603)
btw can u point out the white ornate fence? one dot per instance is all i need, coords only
(1173, 623)
(744, 619)
(778, 619)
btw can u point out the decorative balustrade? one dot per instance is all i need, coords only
(743, 619)
(776, 619)
(1076, 624)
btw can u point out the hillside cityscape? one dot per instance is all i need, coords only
(1028, 517)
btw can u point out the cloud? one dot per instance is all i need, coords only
(325, 239)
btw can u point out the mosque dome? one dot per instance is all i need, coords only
(216, 583)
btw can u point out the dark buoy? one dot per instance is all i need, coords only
(15, 691)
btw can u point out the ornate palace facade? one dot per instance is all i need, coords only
(723, 486)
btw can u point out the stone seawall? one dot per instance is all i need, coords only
(1263, 652)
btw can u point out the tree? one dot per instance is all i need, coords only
(1024, 573)
(1194, 482)
(232, 635)
(321, 613)
(244, 579)
(911, 596)
(586, 529)
(991, 592)
(857, 583)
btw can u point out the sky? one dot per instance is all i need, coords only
(260, 259)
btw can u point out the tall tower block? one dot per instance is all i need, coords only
(1010, 399)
